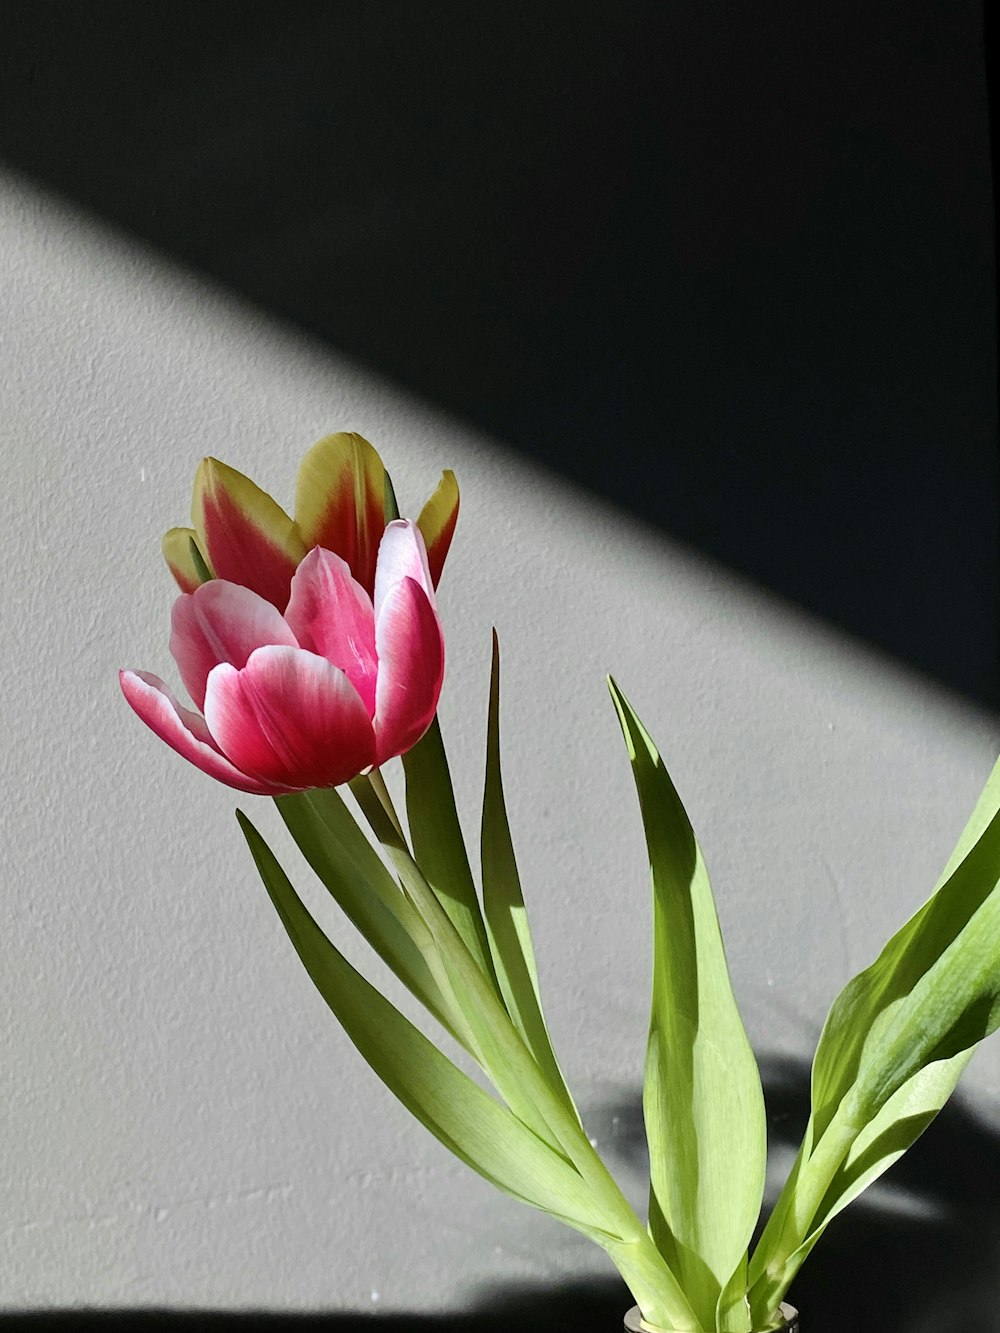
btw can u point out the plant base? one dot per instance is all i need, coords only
(789, 1322)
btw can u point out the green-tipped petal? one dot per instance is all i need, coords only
(437, 522)
(245, 536)
(340, 496)
(180, 558)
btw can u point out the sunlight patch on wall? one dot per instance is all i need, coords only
(163, 1050)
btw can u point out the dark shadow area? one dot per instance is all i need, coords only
(571, 1309)
(729, 265)
(920, 1257)
(918, 1253)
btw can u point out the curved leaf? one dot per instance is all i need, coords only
(503, 907)
(702, 1098)
(438, 844)
(893, 1047)
(907, 956)
(477, 1129)
(360, 882)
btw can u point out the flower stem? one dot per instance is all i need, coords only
(811, 1186)
(377, 783)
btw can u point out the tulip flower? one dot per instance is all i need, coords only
(241, 534)
(340, 682)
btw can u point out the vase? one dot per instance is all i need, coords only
(789, 1321)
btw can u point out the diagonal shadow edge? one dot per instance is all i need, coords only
(783, 360)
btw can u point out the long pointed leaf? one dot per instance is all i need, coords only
(457, 1111)
(775, 1225)
(606, 1217)
(498, 1046)
(515, 1072)
(438, 844)
(903, 960)
(488, 1137)
(924, 1004)
(357, 878)
(882, 1142)
(898, 1125)
(702, 1098)
(503, 907)
(983, 814)
(732, 1310)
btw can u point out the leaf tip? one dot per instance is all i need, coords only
(617, 697)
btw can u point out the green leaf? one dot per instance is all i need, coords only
(764, 1295)
(895, 1128)
(460, 1114)
(933, 992)
(486, 1136)
(702, 1097)
(732, 1311)
(359, 881)
(495, 1042)
(501, 1051)
(504, 911)
(983, 814)
(907, 956)
(894, 1045)
(438, 845)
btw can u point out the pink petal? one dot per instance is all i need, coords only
(186, 732)
(290, 717)
(331, 614)
(401, 555)
(410, 668)
(221, 622)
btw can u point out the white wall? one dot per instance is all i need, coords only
(182, 1121)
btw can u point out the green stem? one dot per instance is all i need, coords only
(810, 1189)
(376, 805)
(647, 1274)
(657, 1293)
(439, 844)
(377, 783)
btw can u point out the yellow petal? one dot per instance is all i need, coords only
(247, 537)
(437, 522)
(340, 501)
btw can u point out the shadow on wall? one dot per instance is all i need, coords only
(575, 1309)
(923, 1257)
(918, 1253)
(729, 266)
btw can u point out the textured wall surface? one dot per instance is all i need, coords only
(182, 1121)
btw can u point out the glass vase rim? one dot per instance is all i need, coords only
(634, 1322)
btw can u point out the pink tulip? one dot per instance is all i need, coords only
(310, 698)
